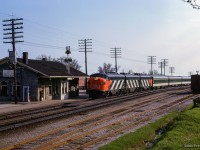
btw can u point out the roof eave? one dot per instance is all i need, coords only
(69, 76)
(4, 60)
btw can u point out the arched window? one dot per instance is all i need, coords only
(3, 88)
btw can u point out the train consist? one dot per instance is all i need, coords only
(106, 84)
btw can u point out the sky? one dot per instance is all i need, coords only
(167, 29)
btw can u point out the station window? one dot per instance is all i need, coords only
(50, 88)
(3, 88)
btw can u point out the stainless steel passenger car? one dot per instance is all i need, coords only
(164, 81)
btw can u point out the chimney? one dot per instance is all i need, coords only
(25, 57)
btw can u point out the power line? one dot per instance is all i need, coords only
(103, 44)
(45, 46)
(7, 14)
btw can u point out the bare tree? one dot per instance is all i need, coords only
(195, 3)
(44, 56)
(74, 63)
(130, 71)
(153, 72)
(106, 68)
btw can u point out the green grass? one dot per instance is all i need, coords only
(183, 130)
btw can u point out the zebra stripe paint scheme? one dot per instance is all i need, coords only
(135, 83)
(145, 83)
(117, 84)
(132, 84)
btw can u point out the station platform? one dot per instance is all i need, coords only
(9, 107)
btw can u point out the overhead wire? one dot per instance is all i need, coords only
(104, 44)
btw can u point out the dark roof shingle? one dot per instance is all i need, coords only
(52, 68)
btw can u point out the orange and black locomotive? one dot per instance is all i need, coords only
(106, 84)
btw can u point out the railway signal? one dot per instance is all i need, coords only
(68, 59)
(13, 26)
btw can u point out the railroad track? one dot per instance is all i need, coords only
(28, 117)
(78, 135)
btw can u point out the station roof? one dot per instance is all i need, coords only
(52, 68)
(49, 69)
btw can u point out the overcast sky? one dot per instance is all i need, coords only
(167, 29)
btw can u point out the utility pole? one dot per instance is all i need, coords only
(160, 65)
(14, 27)
(115, 53)
(68, 59)
(151, 60)
(165, 63)
(171, 70)
(84, 44)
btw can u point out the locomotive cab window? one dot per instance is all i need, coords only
(99, 75)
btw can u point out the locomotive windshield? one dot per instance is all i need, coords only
(99, 75)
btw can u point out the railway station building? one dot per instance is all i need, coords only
(38, 80)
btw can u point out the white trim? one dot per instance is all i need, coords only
(113, 84)
(26, 87)
(131, 81)
(122, 82)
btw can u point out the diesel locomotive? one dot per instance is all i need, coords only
(107, 84)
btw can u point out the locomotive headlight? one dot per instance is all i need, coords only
(102, 83)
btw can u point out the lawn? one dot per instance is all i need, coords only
(178, 130)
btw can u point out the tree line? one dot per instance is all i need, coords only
(105, 68)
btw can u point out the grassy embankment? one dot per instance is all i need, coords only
(181, 130)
